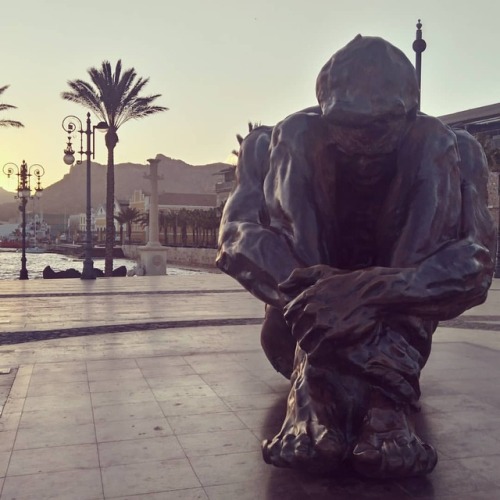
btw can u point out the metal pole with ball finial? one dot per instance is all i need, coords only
(419, 46)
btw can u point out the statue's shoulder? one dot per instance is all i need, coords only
(432, 124)
(442, 135)
(311, 111)
(304, 121)
(428, 133)
(466, 140)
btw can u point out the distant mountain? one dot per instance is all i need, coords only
(6, 196)
(9, 211)
(68, 196)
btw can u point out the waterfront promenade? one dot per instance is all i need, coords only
(157, 388)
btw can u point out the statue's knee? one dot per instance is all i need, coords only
(277, 341)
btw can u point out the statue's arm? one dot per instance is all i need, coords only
(343, 307)
(249, 249)
(448, 242)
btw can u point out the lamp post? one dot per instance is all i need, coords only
(69, 127)
(419, 45)
(24, 174)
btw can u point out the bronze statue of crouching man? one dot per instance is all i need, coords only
(361, 223)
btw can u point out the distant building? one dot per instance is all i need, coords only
(138, 200)
(173, 201)
(99, 223)
(7, 230)
(188, 201)
(58, 224)
(484, 118)
(74, 231)
(225, 186)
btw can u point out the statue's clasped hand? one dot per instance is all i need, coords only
(324, 310)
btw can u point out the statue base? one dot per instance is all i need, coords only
(153, 259)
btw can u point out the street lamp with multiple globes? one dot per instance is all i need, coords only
(70, 126)
(24, 174)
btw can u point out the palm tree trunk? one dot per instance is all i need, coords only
(129, 232)
(110, 204)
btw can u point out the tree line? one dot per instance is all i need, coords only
(194, 228)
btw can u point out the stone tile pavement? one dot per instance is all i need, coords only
(156, 388)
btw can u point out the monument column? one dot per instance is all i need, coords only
(153, 205)
(153, 256)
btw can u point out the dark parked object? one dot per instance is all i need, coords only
(50, 274)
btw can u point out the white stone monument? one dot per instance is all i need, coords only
(153, 256)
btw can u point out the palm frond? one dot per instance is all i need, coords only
(85, 95)
(133, 89)
(11, 123)
(5, 107)
(139, 109)
(113, 94)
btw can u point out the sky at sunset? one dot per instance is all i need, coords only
(219, 64)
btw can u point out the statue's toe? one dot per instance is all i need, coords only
(394, 460)
(366, 454)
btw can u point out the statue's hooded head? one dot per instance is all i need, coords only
(368, 91)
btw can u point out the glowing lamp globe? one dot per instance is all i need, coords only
(69, 159)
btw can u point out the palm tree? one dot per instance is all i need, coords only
(183, 219)
(143, 221)
(121, 221)
(114, 97)
(127, 216)
(173, 215)
(4, 107)
(165, 221)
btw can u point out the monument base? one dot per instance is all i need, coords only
(153, 259)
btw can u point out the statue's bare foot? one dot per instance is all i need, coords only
(388, 447)
(310, 438)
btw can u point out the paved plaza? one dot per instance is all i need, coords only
(156, 388)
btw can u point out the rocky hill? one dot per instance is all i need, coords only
(6, 196)
(68, 196)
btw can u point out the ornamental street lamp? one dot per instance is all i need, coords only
(69, 126)
(24, 174)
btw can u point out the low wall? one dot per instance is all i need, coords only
(192, 257)
(130, 251)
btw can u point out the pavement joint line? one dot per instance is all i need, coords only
(479, 346)
(18, 337)
(97, 294)
(466, 324)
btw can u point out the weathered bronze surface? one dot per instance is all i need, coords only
(360, 223)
